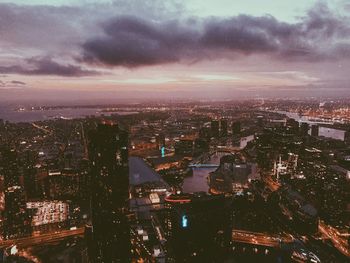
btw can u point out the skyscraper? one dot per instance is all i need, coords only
(236, 128)
(160, 140)
(215, 132)
(108, 153)
(223, 127)
(304, 129)
(292, 125)
(16, 217)
(184, 147)
(199, 227)
(314, 130)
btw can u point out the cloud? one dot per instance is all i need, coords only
(290, 75)
(114, 35)
(130, 41)
(47, 66)
(17, 82)
(12, 84)
(59, 31)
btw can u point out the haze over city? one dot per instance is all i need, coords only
(72, 50)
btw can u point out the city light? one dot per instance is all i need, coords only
(184, 221)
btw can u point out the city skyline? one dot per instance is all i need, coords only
(174, 131)
(229, 181)
(84, 50)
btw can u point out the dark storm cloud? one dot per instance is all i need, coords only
(321, 35)
(245, 34)
(131, 41)
(114, 35)
(61, 29)
(46, 66)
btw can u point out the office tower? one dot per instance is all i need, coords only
(314, 130)
(293, 125)
(223, 127)
(304, 129)
(215, 132)
(200, 227)
(31, 182)
(260, 121)
(108, 153)
(184, 147)
(200, 146)
(65, 184)
(30, 174)
(17, 221)
(9, 167)
(205, 133)
(160, 140)
(236, 128)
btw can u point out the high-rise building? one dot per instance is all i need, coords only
(205, 133)
(110, 232)
(16, 218)
(200, 146)
(199, 227)
(236, 128)
(223, 127)
(30, 178)
(260, 121)
(184, 147)
(215, 132)
(292, 125)
(160, 140)
(9, 167)
(314, 130)
(304, 129)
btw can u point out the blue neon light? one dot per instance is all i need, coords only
(162, 150)
(184, 221)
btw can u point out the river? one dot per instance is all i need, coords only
(198, 182)
(9, 114)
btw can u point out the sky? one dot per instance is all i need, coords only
(135, 49)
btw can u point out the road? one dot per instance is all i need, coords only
(237, 235)
(259, 238)
(203, 165)
(42, 239)
(140, 248)
(42, 128)
(340, 243)
(86, 151)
